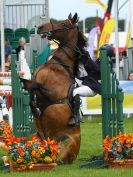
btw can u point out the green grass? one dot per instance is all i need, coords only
(90, 145)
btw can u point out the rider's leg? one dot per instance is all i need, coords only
(80, 91)
(84, 91)
(76, 119)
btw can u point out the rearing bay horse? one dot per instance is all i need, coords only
(50, 85)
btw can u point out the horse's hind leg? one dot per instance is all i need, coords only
(69, 148)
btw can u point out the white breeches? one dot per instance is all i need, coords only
(84, 91)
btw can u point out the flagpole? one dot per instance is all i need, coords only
(83, 25)
(131, 18)
(97, 26)
(116, 38)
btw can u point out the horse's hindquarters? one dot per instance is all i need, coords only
(54, 124)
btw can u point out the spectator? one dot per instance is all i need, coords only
(21, 43)
(8, 52)
(130, 76)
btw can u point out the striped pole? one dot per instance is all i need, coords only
(5, 93)
(8, 74)
(5, 74)
(5, 81)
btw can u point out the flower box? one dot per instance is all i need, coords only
(118, 151)
(121, 163)
(31, 154)
(35, 167)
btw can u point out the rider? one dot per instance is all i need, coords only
(89, 84)
(87, 77)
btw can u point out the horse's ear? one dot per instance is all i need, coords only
(70, 16)
(75, 18)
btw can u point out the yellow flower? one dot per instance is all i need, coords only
(37, 155)
(30, 165)
(33, 152)
(43, 151)
(47, 159)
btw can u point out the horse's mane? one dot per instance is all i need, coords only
(82, 42)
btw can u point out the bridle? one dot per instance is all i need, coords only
(49, 34)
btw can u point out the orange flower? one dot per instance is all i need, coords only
(54, 158)
(119, 149)
(128, 145)
(28, 144)
(19, 160)
(54, 148)
(20, 151)
(12, 140)
(5, 129)
(35, 138)
(121, 138)
(107, 143)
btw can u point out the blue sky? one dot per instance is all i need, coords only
(59, 9)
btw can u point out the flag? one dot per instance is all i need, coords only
(104, 6)
(91, 39)
(108, 10)
(128, 40)
(106, 32)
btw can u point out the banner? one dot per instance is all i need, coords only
(104, 6)
(91, 39)
(92, 105)
(106, 32)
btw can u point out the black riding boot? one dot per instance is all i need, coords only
(76, 119)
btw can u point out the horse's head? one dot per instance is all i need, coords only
(62, 30)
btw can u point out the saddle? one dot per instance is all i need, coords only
(38, 106)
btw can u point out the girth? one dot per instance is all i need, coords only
(39, 105)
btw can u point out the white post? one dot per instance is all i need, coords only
(83, 25)
(47, 9)
(116, 37)
(2, 35)
(131, 18)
